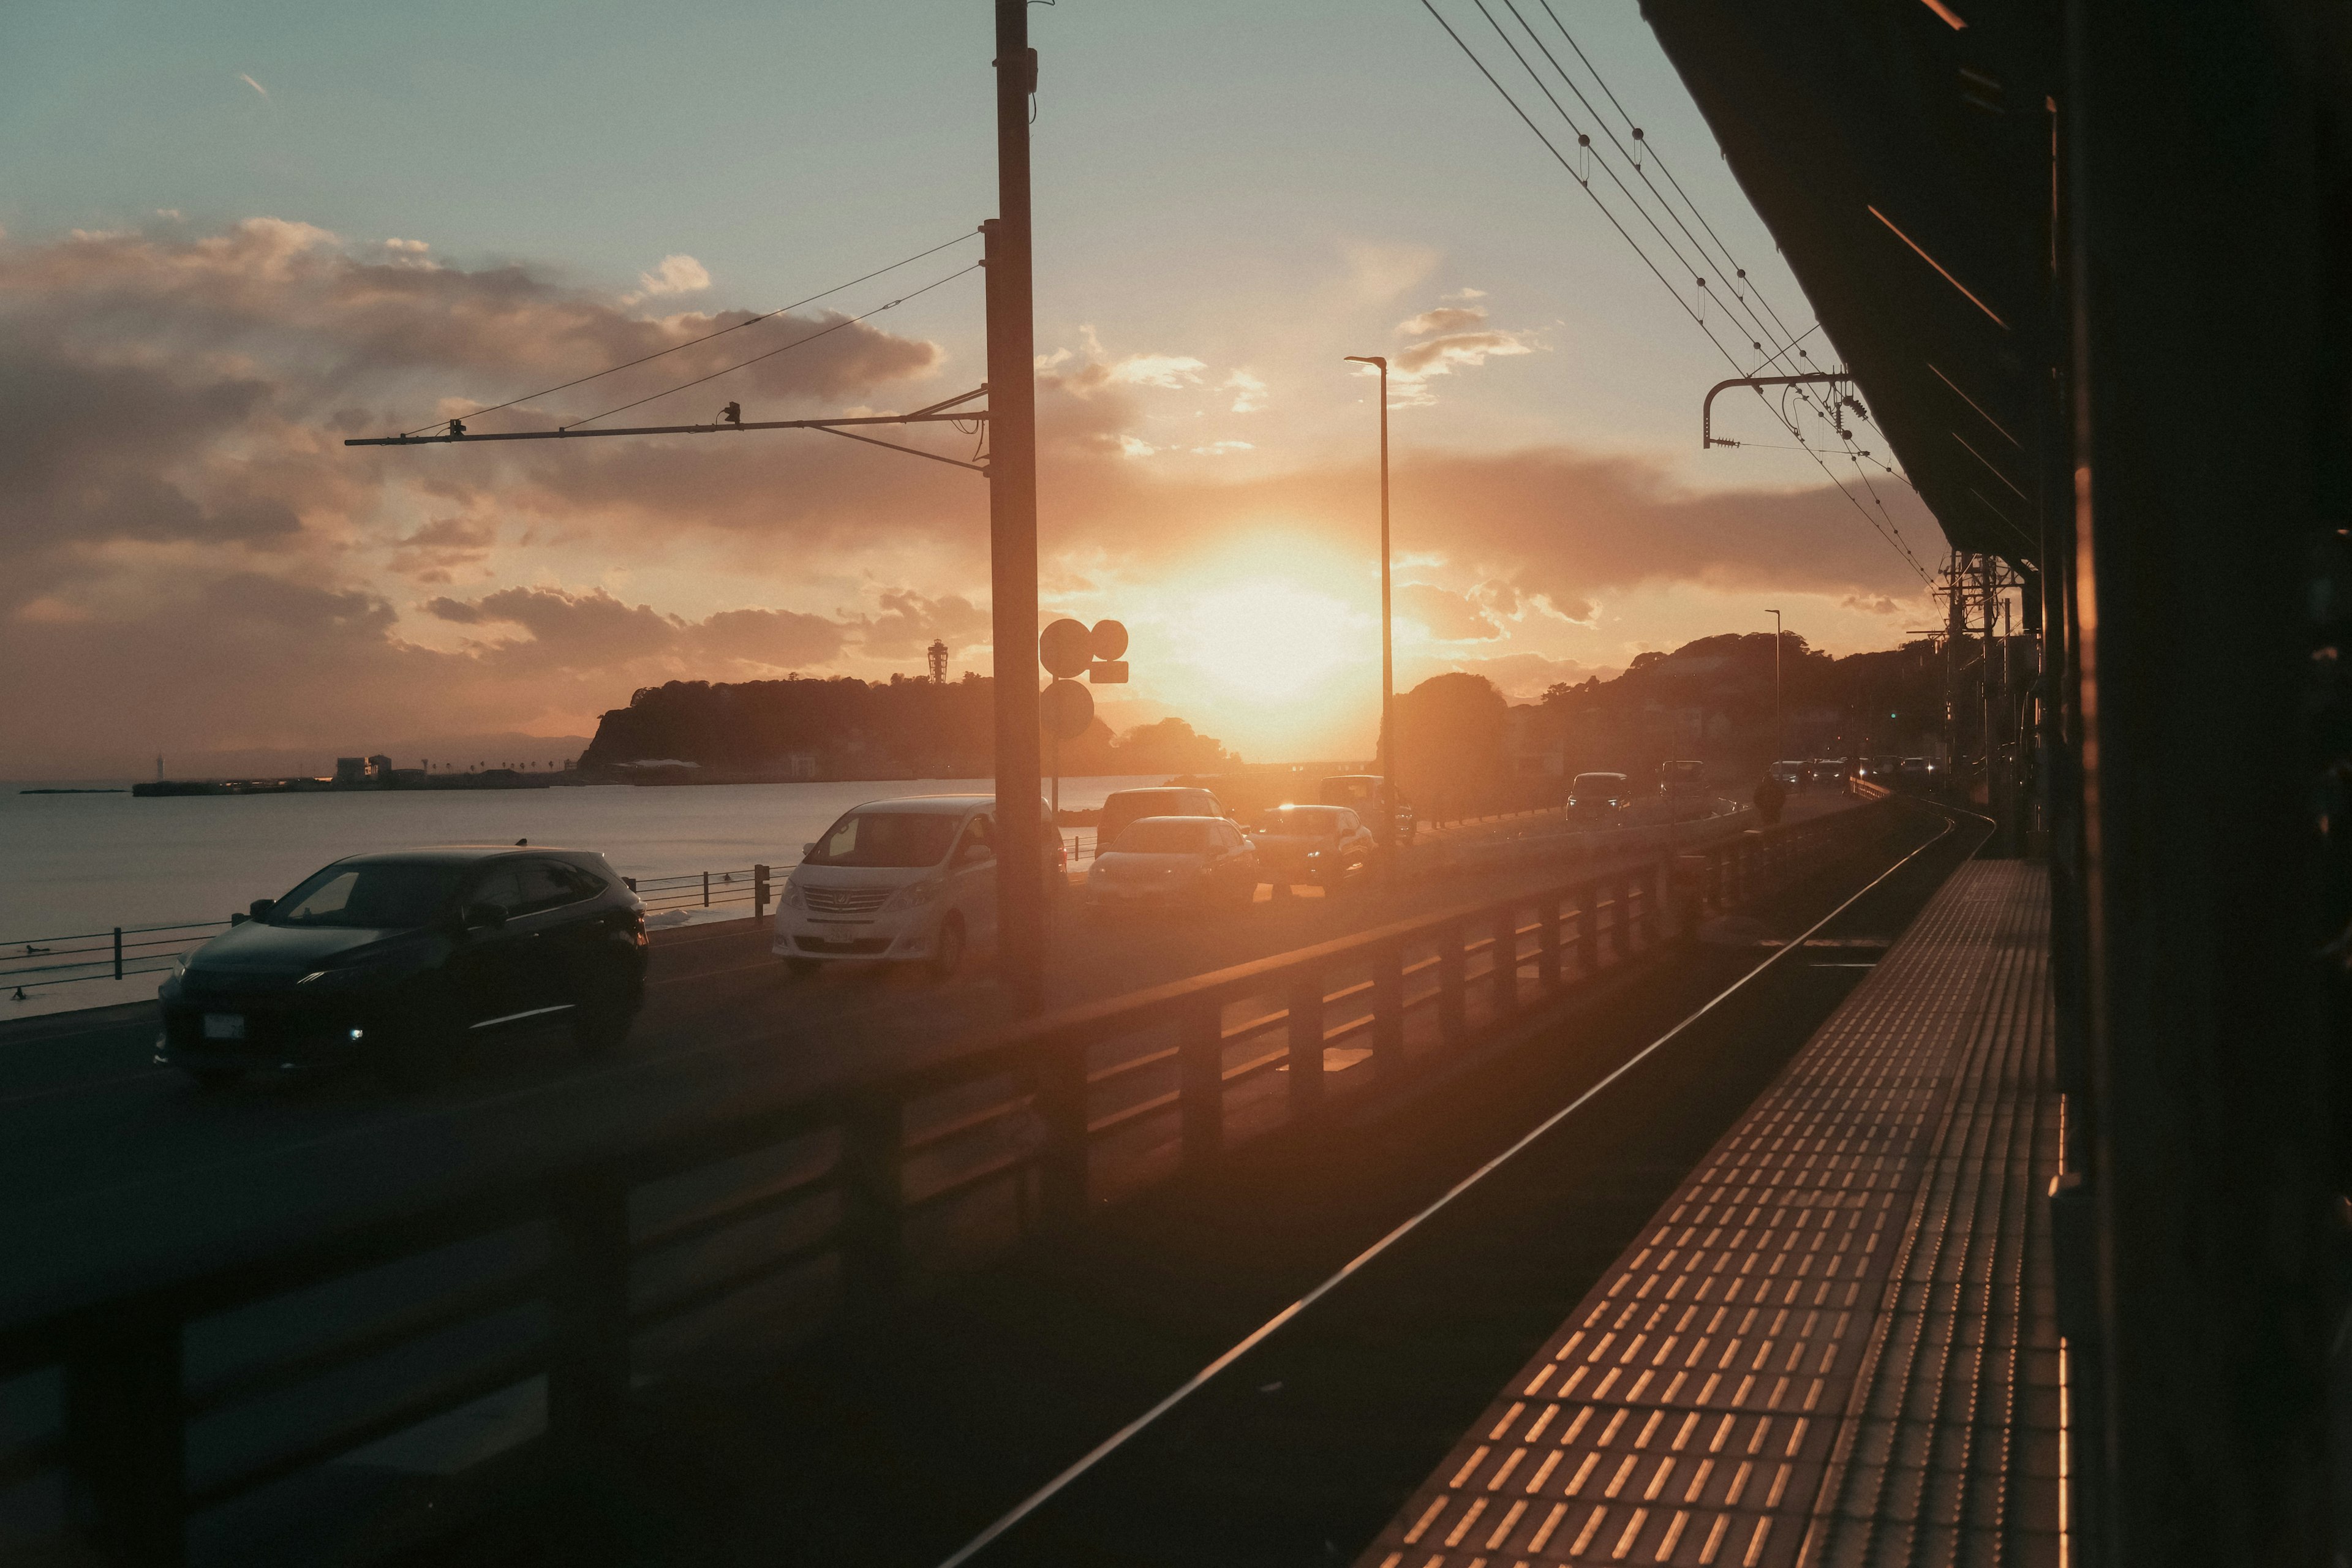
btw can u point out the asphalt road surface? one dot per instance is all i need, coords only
(111, 1167)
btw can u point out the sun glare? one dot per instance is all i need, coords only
(1270, 639)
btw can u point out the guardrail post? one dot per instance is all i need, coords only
(1587, 931)
(588, 1323)
(1450, 1026)
(1388, 1006)
(1201, 1081)
(1547, 943)
(125, 1440)
(873, 1196)
(705, 889)
(1654, 900)
(759, 892)
(118, 952)
(1306, 1006)
(1061, 1080)
(1507, 962)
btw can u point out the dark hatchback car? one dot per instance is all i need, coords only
(399, 959)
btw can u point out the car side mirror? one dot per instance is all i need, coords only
(974, 852)
(257, 910)
(807, 851)
(481, 916)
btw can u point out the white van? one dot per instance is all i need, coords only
(911, 880)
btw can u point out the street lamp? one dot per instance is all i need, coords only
(1388, 660)
(1780, 742)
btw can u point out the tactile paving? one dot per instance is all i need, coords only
(1834, 1344)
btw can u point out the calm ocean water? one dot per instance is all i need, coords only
(74, 863)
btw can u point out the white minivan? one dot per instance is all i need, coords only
(911, 880)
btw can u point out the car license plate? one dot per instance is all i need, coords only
(223, 1026)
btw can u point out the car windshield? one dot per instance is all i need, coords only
(379, 896)
(1300, 819)
(1600, 782)
(1164, 836)
(901, 838)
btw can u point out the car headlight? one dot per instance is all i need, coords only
(915, 895)
(794, 897)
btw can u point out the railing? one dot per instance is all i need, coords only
(124, 952)
(582, 1272)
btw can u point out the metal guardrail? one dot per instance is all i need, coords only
(1027, 1129)
(123, 953)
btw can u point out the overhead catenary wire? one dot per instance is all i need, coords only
(1893, 540)
(786, 348)
(690, 343)
(1782, 338)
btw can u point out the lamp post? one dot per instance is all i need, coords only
(1388, 657)
(1779, 741)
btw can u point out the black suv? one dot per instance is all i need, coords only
(399, 958)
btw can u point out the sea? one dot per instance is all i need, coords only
(72, 865)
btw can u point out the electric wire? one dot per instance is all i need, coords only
(1893, 540)
(720, 332)
(796, 342)
(1754, 321)
(1784, 340)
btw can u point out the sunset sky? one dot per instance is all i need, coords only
(236, 235)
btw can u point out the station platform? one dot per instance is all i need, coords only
(1835, 1345)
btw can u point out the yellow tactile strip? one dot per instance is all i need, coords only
(1702, 1402)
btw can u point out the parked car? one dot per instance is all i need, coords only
(1365, 794)
(1174, 860)
(1322, 845)
(1599, 795)
(400, 957)
(1790, 772)
(1122, 806)
(1827, 772)
(910, 880)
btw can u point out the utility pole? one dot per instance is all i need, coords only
(1013, 522)
(1779, 730)
(1388, 657)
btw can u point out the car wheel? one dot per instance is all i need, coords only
(602, 1020)
(802, 968)
(213, 1080)
(946, 948)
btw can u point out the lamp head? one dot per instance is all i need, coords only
(1366, 359)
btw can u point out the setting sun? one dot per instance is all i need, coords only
(1270, 639)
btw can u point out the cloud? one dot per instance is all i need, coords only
(1870, 605)
(1445, 614)
(441, 548)
(676, 275)
(910, 623)
(176, 498)
(253, 84)
(1249, 392)
(1444, 319)
(1169, 372)
(1441, 356)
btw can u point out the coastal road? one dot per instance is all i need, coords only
(110, 1165)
